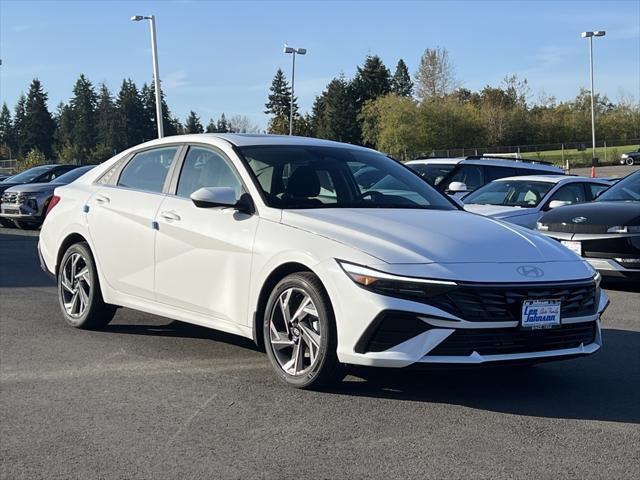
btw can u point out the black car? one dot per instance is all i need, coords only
(27, 204)
(606, 231)
(40, 174)
(630, 158)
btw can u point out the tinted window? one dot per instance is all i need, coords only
(72, 175)
(471, 175)
(596, 188)
(572, 193)
(296, 176)
(432, 173)
(148, 170)
(205, 168)
(494, 173)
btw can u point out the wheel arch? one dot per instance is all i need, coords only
(69, 240)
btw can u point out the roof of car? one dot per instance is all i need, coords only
(552, 179)
(488, 161)
(255, 139)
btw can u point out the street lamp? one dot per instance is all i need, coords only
(156, 73)
(299, 51)
(590, 35)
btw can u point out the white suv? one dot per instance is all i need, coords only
(273, 238)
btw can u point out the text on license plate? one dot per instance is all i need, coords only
(540, 313)
(575, 247)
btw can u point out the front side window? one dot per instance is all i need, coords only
(205, 168)
(471, 175)
(510, 193)
(148, 170)
(433, 173)
(570, 194)
(597, 189)
(297, 176)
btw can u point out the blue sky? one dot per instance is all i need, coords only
(221, 56)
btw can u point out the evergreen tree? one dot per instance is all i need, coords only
(131, 115)
(149, 126)
(6, 131)
(83, 111)
(39, 126)
(107, 126)
(223, 125)
(63, 138)
(279, 105)
(335, 113)
(211, 126)
(148, 94)
(18, 124)
(372, 80)
(193, 124)
(401, 83)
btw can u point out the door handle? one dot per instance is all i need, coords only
(170, 215)
(101, 199)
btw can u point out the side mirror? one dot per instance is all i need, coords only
(557, 203)
(455, 187)
(211, 197)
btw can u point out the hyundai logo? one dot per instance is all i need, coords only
(530, 271)
(579, 220)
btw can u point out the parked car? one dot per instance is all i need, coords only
(4, 176)
(459, 176)
(272, 238)
(630, 158)
(40, 174)
(523, 200)
(606, 232)
(26, 204)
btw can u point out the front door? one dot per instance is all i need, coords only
(203, 255)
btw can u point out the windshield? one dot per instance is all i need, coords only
(432, 173)
(513, 193)
(28, 175)
(299, 176)
(626, 190)
(72, 175)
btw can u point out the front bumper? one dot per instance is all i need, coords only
(22, 212)
(419, 332)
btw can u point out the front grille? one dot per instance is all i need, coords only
(497, 341)
(576, 228)
(504, 303)
(13, 197)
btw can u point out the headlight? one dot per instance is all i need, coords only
(624, 155)
(395, 285)
(541, 226)
(624, 229)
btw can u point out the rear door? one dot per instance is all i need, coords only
(203, 255)
(121, 220)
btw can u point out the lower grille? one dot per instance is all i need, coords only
(388, 330)
(497, 341)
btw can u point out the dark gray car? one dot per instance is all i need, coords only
(26, 204)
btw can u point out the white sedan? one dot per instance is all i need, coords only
(523, 200)
(274, 239)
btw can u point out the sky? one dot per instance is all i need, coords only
(220, 56)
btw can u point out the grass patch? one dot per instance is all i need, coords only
(582, 158)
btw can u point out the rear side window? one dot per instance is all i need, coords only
(205, 168)
(494, 173)
(148, 170)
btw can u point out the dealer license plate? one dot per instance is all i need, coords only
(575, 247)
(540, 314)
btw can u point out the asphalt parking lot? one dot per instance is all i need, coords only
(154, 398)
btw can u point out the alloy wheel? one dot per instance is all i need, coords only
(75, 285)
(294, 331)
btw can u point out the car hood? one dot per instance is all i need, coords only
(497, 211)
(34, 187)
(428, 236)
(6, 186)
(595, 213)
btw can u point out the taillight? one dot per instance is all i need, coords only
(54, 201)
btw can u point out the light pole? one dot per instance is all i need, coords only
(156, 73)
(590, 35)
(299, 51)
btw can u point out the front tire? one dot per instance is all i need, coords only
(630, 161)
(79, 291)
(299, 333)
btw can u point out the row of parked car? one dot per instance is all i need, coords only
(597, 218)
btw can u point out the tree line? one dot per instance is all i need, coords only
(94, 124)
(406, 116)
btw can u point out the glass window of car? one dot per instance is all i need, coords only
(626, 190)
(471, 175)
(72, 175)
(203, 167)
(570, 194)
(512, 193)
(30, 175)
(148, 170)
(596, 189)
(432, 172)
(317, 176)
(492, 173)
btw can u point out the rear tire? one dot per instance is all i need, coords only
(79, 293)
(300, 334)
(630, 161)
